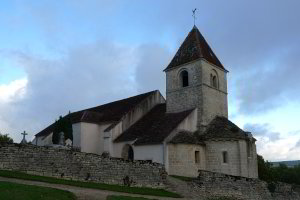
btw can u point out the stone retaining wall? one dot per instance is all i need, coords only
(210, 184)
(73, 165)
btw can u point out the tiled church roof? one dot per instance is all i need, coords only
(110, 112)
(154, 127)
(194, 47)
(186, 137)
(222, 128)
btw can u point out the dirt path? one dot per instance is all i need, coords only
(81, 193)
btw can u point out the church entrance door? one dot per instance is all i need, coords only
(130, 153)
(127, 152)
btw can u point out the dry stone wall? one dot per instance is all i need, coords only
(213, 185)
(73, 165)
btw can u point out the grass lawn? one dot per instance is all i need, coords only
(113, 197)
(222, 198)
(14, 191)
(101, 186)
(183, 178)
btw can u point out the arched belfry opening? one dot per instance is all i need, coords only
(214, 82)
(127, 152)
(184, 76)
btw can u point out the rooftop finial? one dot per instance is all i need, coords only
(194, 15)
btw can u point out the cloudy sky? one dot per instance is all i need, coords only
(57, 56)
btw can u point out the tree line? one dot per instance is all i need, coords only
(281, 173)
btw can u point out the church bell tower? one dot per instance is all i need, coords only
(195, 78)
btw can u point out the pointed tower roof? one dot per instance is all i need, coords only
(194, 47)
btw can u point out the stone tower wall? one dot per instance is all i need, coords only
(214, 99)
(209, 101)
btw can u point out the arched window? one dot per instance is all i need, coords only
(214, 81)
(184, 75)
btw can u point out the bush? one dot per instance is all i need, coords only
(4, 138)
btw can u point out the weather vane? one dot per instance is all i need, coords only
(194, 15)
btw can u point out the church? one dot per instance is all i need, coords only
(186, 132)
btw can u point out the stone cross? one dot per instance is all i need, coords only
(194, 15)
(24, 140)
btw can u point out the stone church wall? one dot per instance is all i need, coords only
(214, 158)
(91, 137)
(43, 140)
(239, 163)
(72, 165)
(182, 159)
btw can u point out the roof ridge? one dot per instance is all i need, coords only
(120, 100)
(113, 125)
(144, 99)
(112, 111)
(198, 40)
(84, 113)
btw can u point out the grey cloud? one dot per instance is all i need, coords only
(297, 146)
(88, 75)
(270, 87)
(262, 130)
(153, 59)
(261, 52)
(255, 40)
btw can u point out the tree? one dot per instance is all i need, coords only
(282, 173)
(4, 138)
(264, 169)
(63, 124)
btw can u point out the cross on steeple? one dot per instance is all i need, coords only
(194, 15)
(24, 140)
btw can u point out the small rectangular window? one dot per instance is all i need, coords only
(197, 157)
(225, 156)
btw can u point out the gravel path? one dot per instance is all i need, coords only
(81, 193)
